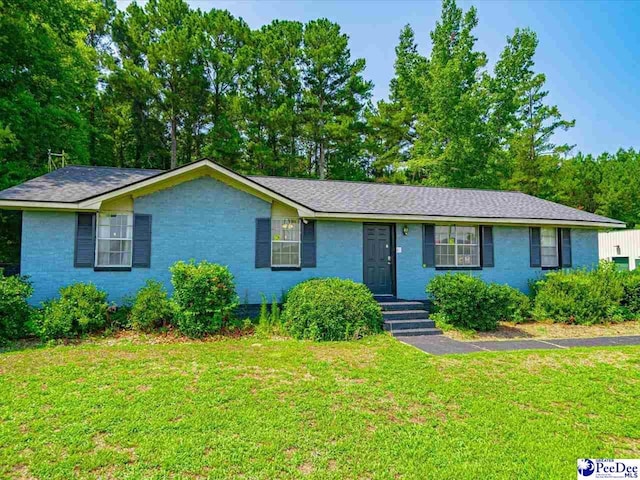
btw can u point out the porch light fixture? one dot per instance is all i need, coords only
(405, 230)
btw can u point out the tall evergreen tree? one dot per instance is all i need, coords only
(333, 100)
(272, 100)
(173, 60)
(524, 120)
(453, 145)
(131, 99)
(393, 122)
(224, 43)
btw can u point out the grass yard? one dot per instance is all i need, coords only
(281, 408)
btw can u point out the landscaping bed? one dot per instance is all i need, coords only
(280, 408)
(542, 330)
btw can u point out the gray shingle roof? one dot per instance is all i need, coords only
(380, 198)
(76, 183)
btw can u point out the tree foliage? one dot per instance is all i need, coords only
(160, 84)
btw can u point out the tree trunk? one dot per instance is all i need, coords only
(174, 143)
(322, 167)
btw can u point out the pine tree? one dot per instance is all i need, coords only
(271, 100)
(224, 43)
(333, 100)
(523, 120)
(393, 122)
(453, 144)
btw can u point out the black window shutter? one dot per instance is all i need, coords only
(141, 241)
(565, 247)
(85, 244)
(535, 254)
(487, 245)
(308, 244)
(263, 242)
(429, 245)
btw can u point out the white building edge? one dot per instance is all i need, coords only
(622, 247)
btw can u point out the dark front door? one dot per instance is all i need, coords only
(378, 259)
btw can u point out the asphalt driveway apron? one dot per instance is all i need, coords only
(442, 345)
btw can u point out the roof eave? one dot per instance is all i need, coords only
(8, 204)
(373, 217)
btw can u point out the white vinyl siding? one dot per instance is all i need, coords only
(114, 240)
(457, 246)
(549, 247)
(285, 242)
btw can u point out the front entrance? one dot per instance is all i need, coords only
(379, 258)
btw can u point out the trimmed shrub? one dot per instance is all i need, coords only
(14, 309)
(151, 308)
(331, 309)
(466, 302)
(517, 305)
(631, 295)
(579, 296)
(205, 294)
(81, 308)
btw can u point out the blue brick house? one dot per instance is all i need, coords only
(119, 227)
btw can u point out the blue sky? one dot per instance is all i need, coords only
(588, 50)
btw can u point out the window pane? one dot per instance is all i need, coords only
(103, 258)
(468, 255)
(115, 226)
(549, 256)
(466, 235)
(548, 237)
(445, 255)
(445, 235)
(285, 242)
(549, 247)
(457, 246)
(115, 232)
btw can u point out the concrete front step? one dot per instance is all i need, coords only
(414, 332)
(396, 325)
(391, 306)
(405, 315)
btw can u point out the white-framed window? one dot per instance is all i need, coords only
(549, 246)
(457, 246)
(114, 240)
(285, 242)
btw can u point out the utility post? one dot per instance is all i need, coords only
(54, 164)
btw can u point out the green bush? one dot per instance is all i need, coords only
(118, 316)
(580, 296)
(466, 302)
(81, 308)
(14, 309)
(205, 295)
(151, 308)
(331, 309)
(631, 295)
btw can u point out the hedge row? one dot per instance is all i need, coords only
(579, 296)
(586, 297)
(203, 302)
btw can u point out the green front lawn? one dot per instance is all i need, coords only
(283, 408)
